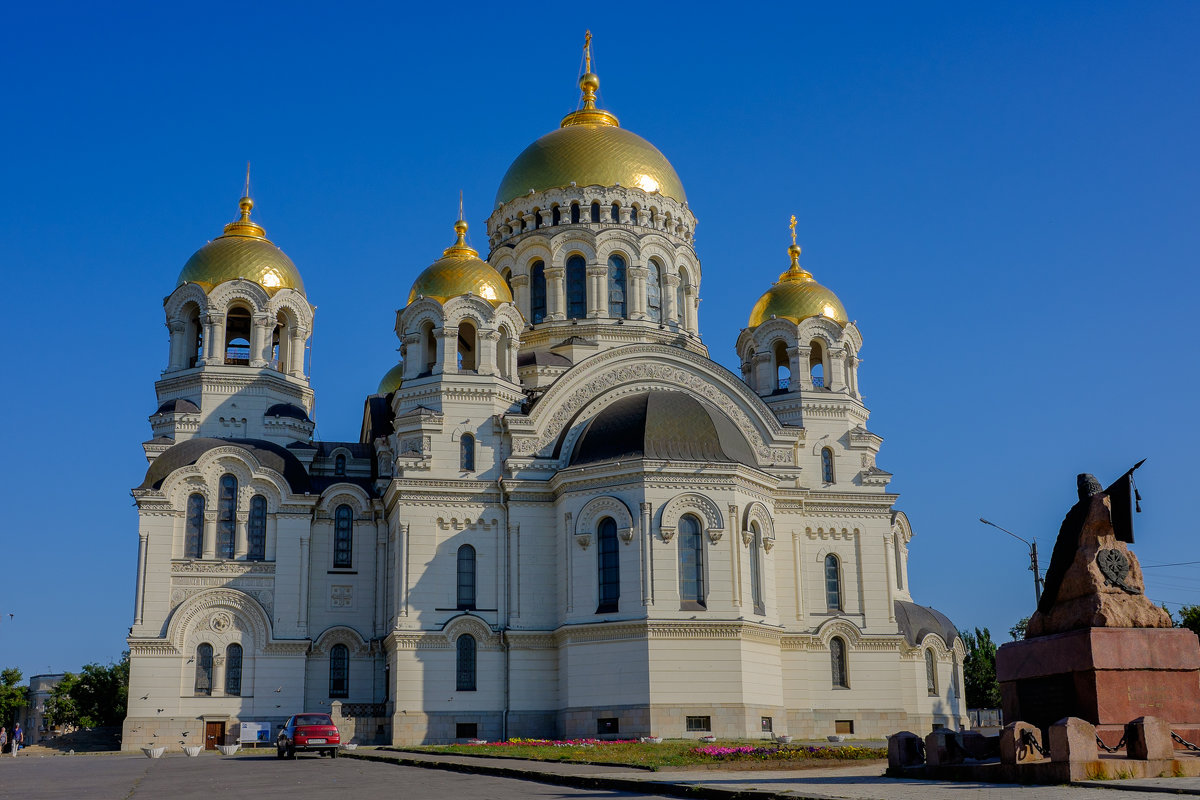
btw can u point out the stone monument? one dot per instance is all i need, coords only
(1097, 648)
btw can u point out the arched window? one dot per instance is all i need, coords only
(339, 464)
(633, 215)
(576, 287)
(465, 672)
(237, 336)
(193, 542)
(195, 337)
(537, 220)
(339, 671)
(281, 341)
(783, 370)
(827, 465)
(616, 213)
(233, 669)
(429, 348)
(654, 291)
(595, 212)
(833, 584)
(575, 213)
(466, 458)
(467, 347)
(504, 354)
(616, 286)
(899, 560)
(466, 577)
(507, 275)
(343, 537)
(226, 516)
(537, 291)
(256, 530)
(837, 659)
(204, 665)
(608, 562)
(680, 295)
(816, 364)
(930, 674)
(954, 685)
(555, 216)
(756, 590)
(691, 563)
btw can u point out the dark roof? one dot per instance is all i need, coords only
(542, 359)
(269, 454)
(663, 425)
(917, 621)
(179, 406)
(357, 450)
(288, 410)
(377, 421)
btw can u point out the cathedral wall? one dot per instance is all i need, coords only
(539, 550)
(287, 620)
(159, 528)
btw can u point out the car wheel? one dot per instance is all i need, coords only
(291, 751)
(333, 753)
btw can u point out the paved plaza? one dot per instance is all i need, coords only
(383, 774)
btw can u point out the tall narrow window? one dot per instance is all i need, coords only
(575, 213)
(537, 291)
(616, 213)
(837, 659)
(680, 297)
(633, 215)
(954, 685)
(930, 674)
(537, 220)
(466, 577)
(833, 584)
(691, 563)
(429, 349)
(193, 542)
(467, 349)
(226, 516)
(654, 291)
(595, 212)
(555, 216)
(756, 590)
(827, 465)
(507, 275)
(237, 336)
(608, 562)
(899, 560)
(465, 673)
(339, 671)
(816, 364)
(256, 531)
(195, 338)
(339, 465)
(466, 458)
(204, 665)
(343, 537)
(576, 287)
(783, 369)
(616, 286)
(233, 670)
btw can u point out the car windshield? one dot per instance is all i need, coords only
(313, 719)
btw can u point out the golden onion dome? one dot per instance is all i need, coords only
(392, 379)
(460, 271)
(590, 148)
(796, 296)
(242, 251)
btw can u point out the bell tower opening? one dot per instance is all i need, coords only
(783, 371)
(467, 349)
(237, 336)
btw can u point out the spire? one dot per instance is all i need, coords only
(589, 83)
(244, 226)
(460, 247)
(795, 272)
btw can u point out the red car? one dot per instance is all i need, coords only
(308, 732)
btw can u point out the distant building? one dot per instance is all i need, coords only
(561, 518)
(33, 715)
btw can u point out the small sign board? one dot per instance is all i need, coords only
(255, 733)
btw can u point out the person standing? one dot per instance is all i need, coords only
(3, 737)
(17, 738)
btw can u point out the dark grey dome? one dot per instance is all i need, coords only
(179, 406)
(269, 454)
(917, 621)
(662, 425)
(287, 410)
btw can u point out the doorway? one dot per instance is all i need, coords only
(214, 734)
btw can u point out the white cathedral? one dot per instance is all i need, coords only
(561, 518)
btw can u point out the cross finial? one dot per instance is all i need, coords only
(587, 51)
(792, 225)
(246, 191)
(460, 204)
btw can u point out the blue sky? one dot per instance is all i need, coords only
(1004, 196)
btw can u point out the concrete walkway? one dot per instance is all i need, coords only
(856, 782)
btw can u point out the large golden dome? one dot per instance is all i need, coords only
(590, 149)
(796, 296)
(460, 271)
(243, 251)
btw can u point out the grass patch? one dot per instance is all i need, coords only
(671, 753)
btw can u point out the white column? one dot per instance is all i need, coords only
(240, 538)
(568, 544)
(635, 291)
(488, 357)
(175, 359)
(691, 307)
(210, 535)
(669, 310)
(302, 611)
(836, 370)
(381, 532)
(214, 338)
(799, 582)
(260, 340)
(296, 352)
(139, 595)
(735, 554)
(520, 285)
(647, 547)
(447, 351)
(597, 296)
(888, 540)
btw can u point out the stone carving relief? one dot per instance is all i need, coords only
(341, 596)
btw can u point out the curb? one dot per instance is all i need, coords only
(590, 781)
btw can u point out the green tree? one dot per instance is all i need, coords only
(1189, 617)
(1017, 632)
(979, 669)
(12, 695)
(98, 695)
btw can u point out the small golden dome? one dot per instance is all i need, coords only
(796, 296)
(392, 379)
(460, 271)
(590, 149)
(242, 251)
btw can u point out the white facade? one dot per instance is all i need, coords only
(759, 565)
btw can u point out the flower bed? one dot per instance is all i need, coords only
(777, 753)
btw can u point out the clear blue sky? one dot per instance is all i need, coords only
(1004, 197)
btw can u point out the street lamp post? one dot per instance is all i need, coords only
(1033, 558)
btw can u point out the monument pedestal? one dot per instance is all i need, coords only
(1107, 676)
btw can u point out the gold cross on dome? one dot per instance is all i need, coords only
(792, 225)
(587, 51)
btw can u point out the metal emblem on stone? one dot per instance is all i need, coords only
(1114, 566)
